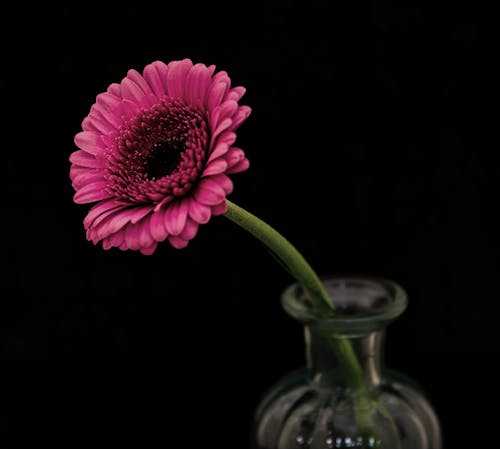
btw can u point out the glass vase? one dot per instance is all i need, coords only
(317, 407)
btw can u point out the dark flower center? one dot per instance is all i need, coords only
(159, 153)
(163, 159)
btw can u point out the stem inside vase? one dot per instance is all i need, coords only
(319, 298)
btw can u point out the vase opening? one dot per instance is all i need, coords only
(359, 303)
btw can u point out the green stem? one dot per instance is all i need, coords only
(351, 368)
(298, 267)
(287, 254)
(302, 271)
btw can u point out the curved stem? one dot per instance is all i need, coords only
(298, 267)
(286, 253)
(302, 271)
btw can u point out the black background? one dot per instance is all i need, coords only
(372, 142)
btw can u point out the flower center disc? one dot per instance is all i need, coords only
(163, 159)
(158, 153)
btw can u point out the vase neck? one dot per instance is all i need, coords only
(346, 348)
(324, 367)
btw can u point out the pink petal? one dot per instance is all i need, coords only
(164, 201)
(77, 170)
(132, 92)
(92, 235)
(227, 137)
(145, 238)
(216, 93)
(115, 89)
(234, 156)
(114, 240)
(100, 221)
(175, 217)
(84, 159)
(209, 192)
(90, 193)
(106, 123)
(220, 114)
(223, 181)
(108, 141)
(222, 77)
(155, 74)
(219, 150)
(132, 236)
(236, 93)
(107, 224)
(213, 116)
(225, 83)
(211, 69)
(106, 244)
(197, 82)
(109, 103)
(177, 242)
(137, 213)
(137, 78)
(89, 141)
(240, 116)
(176, 77)
(190, 230)
(104, 207)
(225, 124)
(200, 213)
(111, 120)
(148, 97)
(219, 209)
(119, 219)
(129, 108)
(149, 250)
(239, 167)
(227, 110)
(110, 108)
(157, 225)
(215, 167)
(94, 123)
(87, 177)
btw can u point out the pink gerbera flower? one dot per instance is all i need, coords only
(155, 154)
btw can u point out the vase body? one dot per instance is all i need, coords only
(319, 406)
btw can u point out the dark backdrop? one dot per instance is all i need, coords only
(372, 142)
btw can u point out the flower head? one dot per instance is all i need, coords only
(155, 154)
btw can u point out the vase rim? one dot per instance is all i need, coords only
(360, 302)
